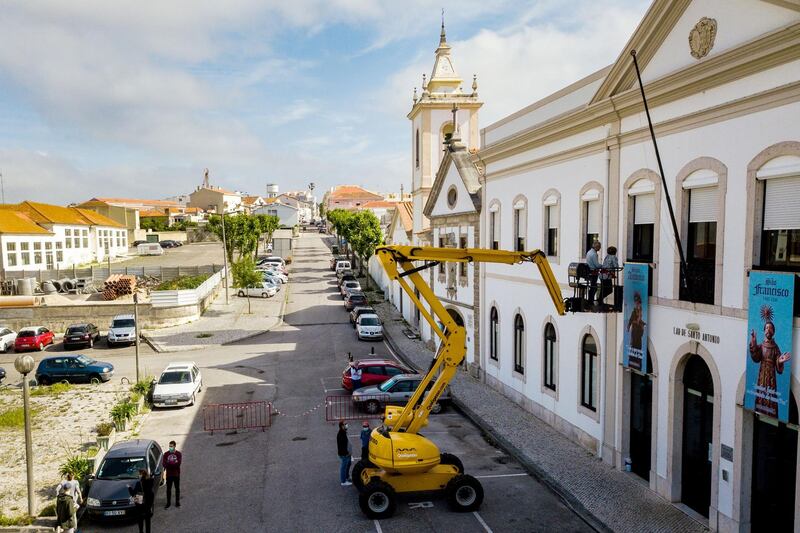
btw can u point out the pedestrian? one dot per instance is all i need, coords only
(366, 431)
(144, 497)
(593, 262)
(609, 272)
(172, 471)
(355, 376)
(344, 449)
(68, 496)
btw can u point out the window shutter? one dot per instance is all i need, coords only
(522, 222)
(593, 217)
(645, 209)
(781, 202)
(552, 216)
(703, 205)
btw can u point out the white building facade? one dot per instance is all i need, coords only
(723, 84)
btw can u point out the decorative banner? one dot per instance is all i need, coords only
(769, 344)
(634, 346)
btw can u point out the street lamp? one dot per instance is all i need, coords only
(24, 365)
(224, 251)
(136, 325)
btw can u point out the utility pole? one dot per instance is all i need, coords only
(24, 365)
(225, 257)
(136, 325)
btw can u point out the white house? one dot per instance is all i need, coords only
(288, 214)
(722, 79)
(216, 200)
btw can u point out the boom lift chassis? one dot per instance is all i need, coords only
(400, 459)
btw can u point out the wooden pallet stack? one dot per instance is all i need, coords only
(118, 285)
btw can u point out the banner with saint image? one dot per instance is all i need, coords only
(769, 344)
(634, 309)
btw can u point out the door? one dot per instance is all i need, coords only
(402, 391)
(373, 375)
(641, 424)
(56, 369)
(698, 419)
(774, 473)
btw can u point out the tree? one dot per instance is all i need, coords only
(321, 209)
(366, 235)
(267, 224)
(237, 233)
(154, 223)
(244, 273)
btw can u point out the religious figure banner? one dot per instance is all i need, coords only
(769, 344)
(634, 346)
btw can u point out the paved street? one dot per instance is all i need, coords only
(286, 478)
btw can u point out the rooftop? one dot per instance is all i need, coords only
(345, 192)
(134, 202)
(405, 210)
(19, 223)
(56, 214)
(379, 204)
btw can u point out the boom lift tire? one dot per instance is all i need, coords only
(450, 459)
(355, 474)
(378, 500)
(464, 493)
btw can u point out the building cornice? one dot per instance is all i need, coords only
(444, 103)
(774, 49)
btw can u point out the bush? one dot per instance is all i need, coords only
(244, 273)
(143, 387)
(21, 520)
(104, 429)
(183, 283)
(80, 466)
(13, 417)
(51, 390)
(124, 410)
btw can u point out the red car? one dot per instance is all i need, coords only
(33, 338)
(374, 372)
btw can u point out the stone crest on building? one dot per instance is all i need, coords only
(701, 38)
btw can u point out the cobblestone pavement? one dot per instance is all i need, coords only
(222, 324)
(607, 498)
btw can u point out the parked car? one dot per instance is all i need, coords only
(81, 334)
(353, 299)
(322, 229)
(342, 265)
(167, 243)
(272, 277)
(149, 248)
(335, 259)
(374, 372)
(349, 286)
(109, 495)
(78, 368)
(395, 391)
(274, 272)
(7, 338)
(345, 275)
(137, 243)
(358, 311)
(2, 374)
(33, 338)
(122, 330)
(178, 385)
(369, 327)
(264, 290)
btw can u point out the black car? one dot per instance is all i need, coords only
(2, 374)
(110, 494)
(168, 244)
(81, 335)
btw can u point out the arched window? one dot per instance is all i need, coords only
(550, 340)
(520, 223)
(494, 226)
(494, 333)
(589, 373)
(416, 149)
(552, 220)
(519, 344)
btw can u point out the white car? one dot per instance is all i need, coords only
(7, 338)
(178, 385)
(369, 327)
(265, 290)
(122, 330)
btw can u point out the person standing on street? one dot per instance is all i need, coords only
(344, 450)
(355, 376)
(68, 496)
(365, 433)
(144, 496)
(172, 471)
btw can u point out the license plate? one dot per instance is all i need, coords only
(24, 345)
(171, 402)
(114, 513)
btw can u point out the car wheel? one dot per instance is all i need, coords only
(240, 294)
(377, 500)
(91, 343)
(464, 493)
(264, 295)
(41, 347)
(437, 408)
(372, 407)
(94, 379)
(450, 459)
(355, 474)
(194, 399)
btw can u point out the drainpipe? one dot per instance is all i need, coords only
(603, 374)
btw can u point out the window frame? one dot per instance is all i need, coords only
(519, 344)
(549, 350)
(592, 358)
(494, 334)
(550, 236)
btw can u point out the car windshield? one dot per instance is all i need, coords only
(123, 323)
(386, 385)
(85, 360)
(370, 321)
(26, 333)
(121, 468)
(169, 378)
(76, 329)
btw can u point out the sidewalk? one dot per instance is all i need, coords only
(222, 324)
(605, 497)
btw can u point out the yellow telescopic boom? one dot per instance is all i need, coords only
(399, 264)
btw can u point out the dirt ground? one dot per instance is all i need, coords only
(63, 425)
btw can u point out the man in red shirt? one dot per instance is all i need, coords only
(172, 471)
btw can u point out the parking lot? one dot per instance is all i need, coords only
(195, 254)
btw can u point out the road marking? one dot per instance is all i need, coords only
(500, 475)
(378, 526)
(484, 524)
(420, 505)
(331, 390)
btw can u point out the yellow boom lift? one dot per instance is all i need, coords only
(400, 459)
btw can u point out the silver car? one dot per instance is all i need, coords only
(395, 391)
(369, 327)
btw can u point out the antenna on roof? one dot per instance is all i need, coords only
(206, 184)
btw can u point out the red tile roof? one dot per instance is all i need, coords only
(405, 210)
(379, 204)
(346, 192)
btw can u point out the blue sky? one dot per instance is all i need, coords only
(136, 98)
